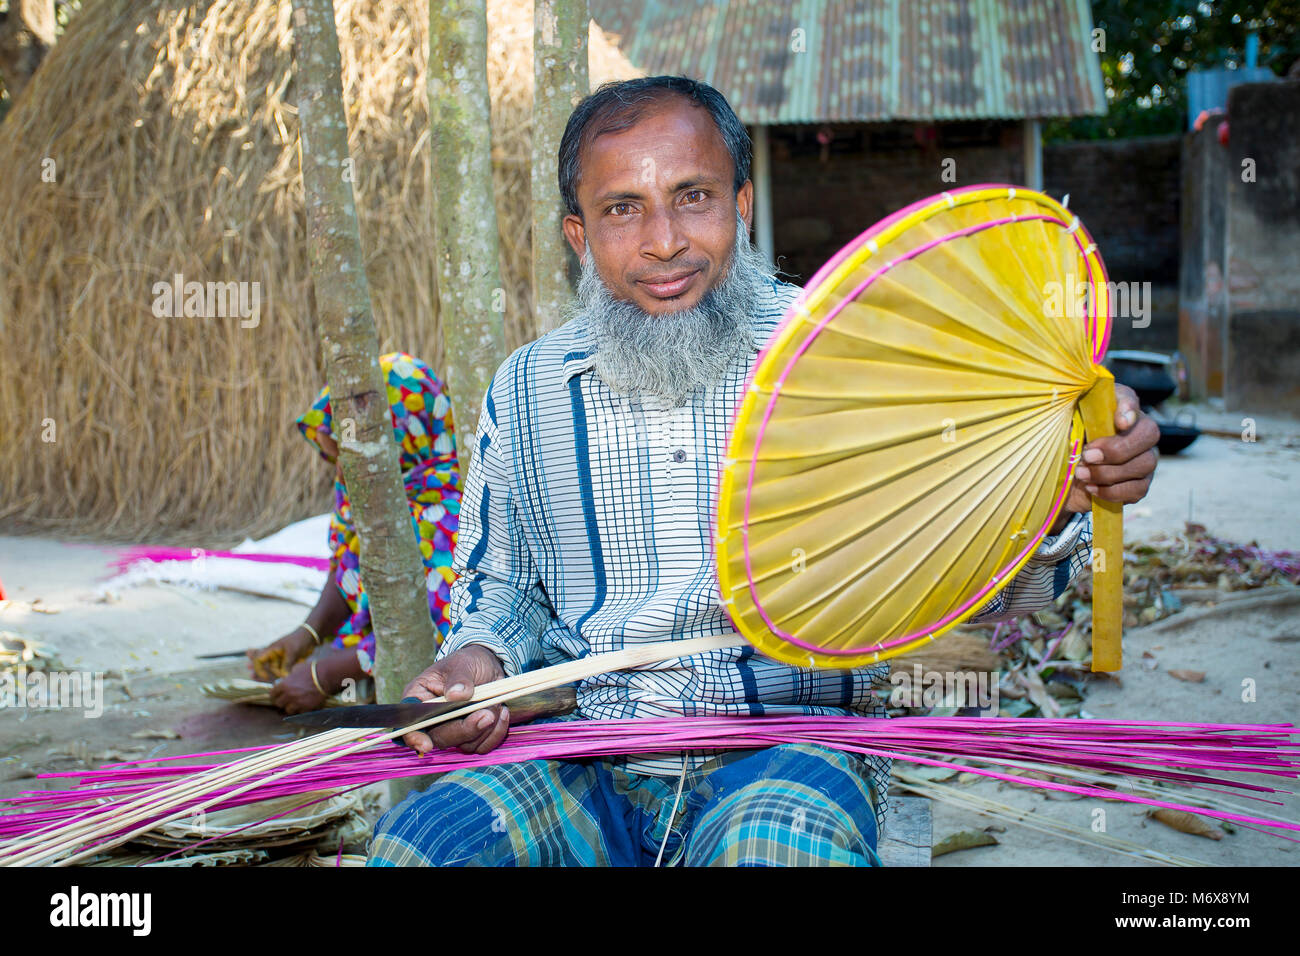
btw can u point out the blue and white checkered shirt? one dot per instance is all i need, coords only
(585, 527)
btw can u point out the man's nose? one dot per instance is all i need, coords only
(663, 237)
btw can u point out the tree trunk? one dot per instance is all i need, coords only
(391, 569)
(471, 297)
(560, 80)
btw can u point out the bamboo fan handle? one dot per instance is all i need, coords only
(1098, 410)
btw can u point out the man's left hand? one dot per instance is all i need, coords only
(1118, 467)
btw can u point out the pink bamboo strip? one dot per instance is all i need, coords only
(1105, 746)
(156, 555)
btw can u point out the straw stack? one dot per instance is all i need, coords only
(170, 133)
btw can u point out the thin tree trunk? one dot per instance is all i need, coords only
(560, 80)
(471, 297)
(391, 569)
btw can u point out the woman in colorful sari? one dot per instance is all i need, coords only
(422, 428)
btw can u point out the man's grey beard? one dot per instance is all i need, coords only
(672, 354)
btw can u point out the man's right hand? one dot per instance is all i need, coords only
(455, 677)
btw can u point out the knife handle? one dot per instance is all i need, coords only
(552, 702)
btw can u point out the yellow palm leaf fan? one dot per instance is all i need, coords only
(908, 435)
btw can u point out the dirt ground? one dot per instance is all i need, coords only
(144, 640)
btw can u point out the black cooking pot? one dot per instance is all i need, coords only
(1174, 435)
(1147, 373)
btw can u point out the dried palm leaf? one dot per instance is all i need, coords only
(283, 822)
(241, 857)
(310, 859)
(17, 650)
(241, 690)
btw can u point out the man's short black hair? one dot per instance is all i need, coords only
(619, 105)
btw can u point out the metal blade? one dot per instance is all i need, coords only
(373, 715)
(545, 703)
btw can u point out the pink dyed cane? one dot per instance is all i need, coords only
(140, 554)
(1184, 753)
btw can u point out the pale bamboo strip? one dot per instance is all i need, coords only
(212, 776)
(641, 655)
(165, 795)
(70, 837)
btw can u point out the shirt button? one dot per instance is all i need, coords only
(679, 454)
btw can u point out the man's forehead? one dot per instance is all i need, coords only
(669, 145)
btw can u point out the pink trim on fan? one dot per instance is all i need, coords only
(834, 261)
(156, 555)
(1099, 349)
(830, 266)
(771, 405)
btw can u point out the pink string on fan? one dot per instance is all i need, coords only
(1002, 572)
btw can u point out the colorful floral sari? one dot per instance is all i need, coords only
(422, 427)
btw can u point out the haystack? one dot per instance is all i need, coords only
(160, 139)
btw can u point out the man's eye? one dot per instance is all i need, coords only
(694, 196)
(621, 208)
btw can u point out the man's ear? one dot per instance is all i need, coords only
(745, 203)
(576, 233)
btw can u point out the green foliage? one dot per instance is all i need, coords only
(1150, 45)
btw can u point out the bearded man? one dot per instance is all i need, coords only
(585, 528)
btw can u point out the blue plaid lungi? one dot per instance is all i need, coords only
(792, 805)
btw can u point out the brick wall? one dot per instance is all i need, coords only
(824, 196)
(1262, 324)
(1126, 192)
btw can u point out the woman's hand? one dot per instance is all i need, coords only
(297, 692)
(335, 667)
(277, 659)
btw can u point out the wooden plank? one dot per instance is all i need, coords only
(907, 835)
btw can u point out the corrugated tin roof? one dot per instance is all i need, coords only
(826, 61)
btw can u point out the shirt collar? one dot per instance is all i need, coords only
(580, 356)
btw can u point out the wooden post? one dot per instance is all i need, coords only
(1034, 154)
(762, 176)
(391, 568)
(560, 80)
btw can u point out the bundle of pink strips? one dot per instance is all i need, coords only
(1097, 758)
